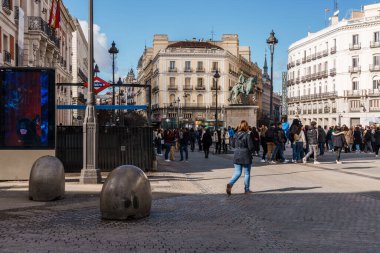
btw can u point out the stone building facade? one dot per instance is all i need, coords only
(181, 75)
(334, 74)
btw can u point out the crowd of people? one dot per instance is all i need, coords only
(269, 143)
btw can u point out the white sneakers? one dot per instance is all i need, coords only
(316, 162)
(286, 161)
(167, 160)
(338, 162)
(272, 162)
(263, 161)
(304, 160)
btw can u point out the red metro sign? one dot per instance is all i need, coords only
(99, 84)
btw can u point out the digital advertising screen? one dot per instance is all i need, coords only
(27, 108)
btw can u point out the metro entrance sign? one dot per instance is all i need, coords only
(99, 84)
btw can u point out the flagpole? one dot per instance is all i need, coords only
(90, 173)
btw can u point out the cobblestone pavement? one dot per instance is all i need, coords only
(295, 208)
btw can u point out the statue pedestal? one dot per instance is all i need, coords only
(236, 113)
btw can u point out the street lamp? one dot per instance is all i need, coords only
(272, 42)
(216, 76)
(113, 51)
(96, 70)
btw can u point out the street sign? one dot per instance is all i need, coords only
(99, 84)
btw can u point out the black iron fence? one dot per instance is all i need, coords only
(117, 146)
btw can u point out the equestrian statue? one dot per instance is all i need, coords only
(240, 91)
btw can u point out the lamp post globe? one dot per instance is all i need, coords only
(216, 76)
(272, 41)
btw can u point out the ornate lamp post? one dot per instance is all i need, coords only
(272, 42)
(96, 69)
(113, 51)
(216, 76)
(90, 174)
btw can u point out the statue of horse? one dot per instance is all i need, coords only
(245, 88)
(249, 85)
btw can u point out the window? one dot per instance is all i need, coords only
(320, 88)
(214, 66)
(326, 87)
(172, 64)
(200, 65)
(355, 84)
(172, 98)
(355, 61)
(355, 39)
(376, 36)
(376, 83)
(172, 81)
(200, 82)
(187, 65)
(199, 99)
(376, 60)
(187, 81)
(374, 103)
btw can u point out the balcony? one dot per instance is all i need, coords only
(303, 79)
(333, 110)
(40, 25)
(308, 78)
(355, 109)
(319, 75)
(7, 6)
(298, 80)
(290, 81)
(156, 72)
(374, 44)
(6, 57)
(200, 70)
(188, 70)
(374, 109)
(355, 93)
(326, 109)
(200, 87)
(298, 62)
(320, 110)
(172, 87)
(308, 58)
(333, 50)
(324, 74)
(315, 111)
(319, 55)
(373, 93)
(172, 69)
(313, 57)
(188, 87)
(304, 60)
(314, 76)
(374, 68)
(354, 70)
(214, 87)
(325, 53)
(309, 111)
(355, 46)
(333, 72)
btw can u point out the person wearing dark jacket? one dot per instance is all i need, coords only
(243, 144)
(339, 142)
(377, 141)
(207, 142)
(321, 140)
(312, 140)
(367, 140)
(192, 139)
(184, 138)
(357, 139)
(279, 141)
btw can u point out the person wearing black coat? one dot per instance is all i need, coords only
(243, 144)
(207, 142)
(357, 139)
(184, 139)
(339, 142)
(377, 141)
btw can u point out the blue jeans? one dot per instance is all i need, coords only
(321, 148)
(277, 149)
(167, 150)
(299, 150)
(183, 148)
(331, 146)
(294, 145)
(357, 147)
(237, 174)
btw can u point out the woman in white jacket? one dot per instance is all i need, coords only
(300, 143)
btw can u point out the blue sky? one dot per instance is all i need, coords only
(132, 24)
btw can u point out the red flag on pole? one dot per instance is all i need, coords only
(51, 13)
(57, 15)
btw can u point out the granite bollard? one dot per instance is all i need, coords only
(47, 179)
(126, 194)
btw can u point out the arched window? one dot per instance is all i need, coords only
(376, 82)
(199, 99)
(355, 84)
(171, 98)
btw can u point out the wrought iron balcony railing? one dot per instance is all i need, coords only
(40, 25)
(7, 6)
(355, 69)
(355, 46)
(374, 68)
(374, 44)
(333, 50)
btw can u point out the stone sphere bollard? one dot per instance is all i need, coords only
(126, 194)
(47, 179)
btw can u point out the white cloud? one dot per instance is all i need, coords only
(101, 55)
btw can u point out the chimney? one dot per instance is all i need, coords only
(334, 20)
